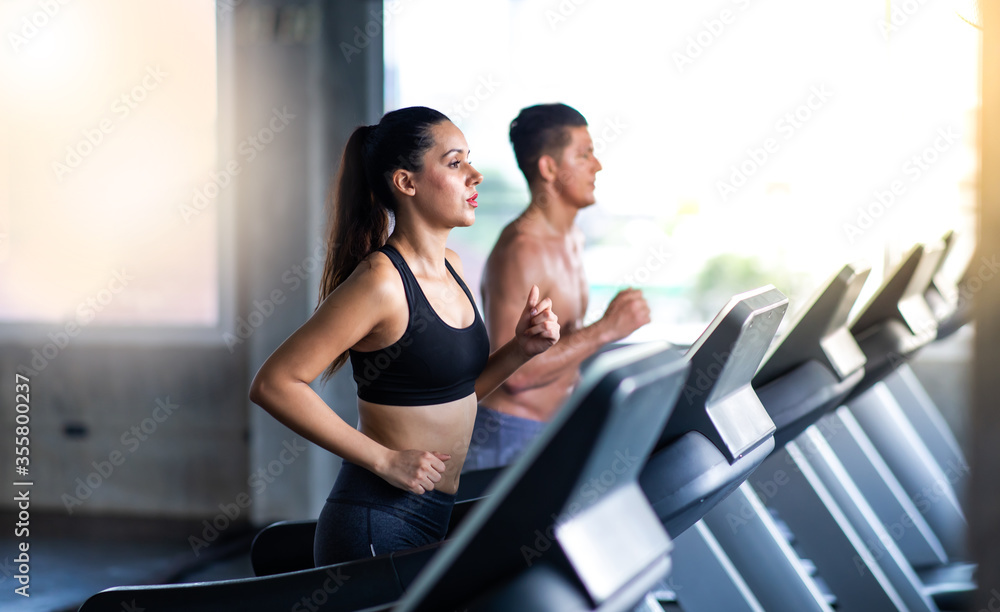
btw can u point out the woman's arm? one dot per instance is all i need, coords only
(281, 386)
(536, 331)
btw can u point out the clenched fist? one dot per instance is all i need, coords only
(538, 328)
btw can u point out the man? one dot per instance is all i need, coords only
(543, 246)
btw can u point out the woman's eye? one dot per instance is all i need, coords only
(454, 164)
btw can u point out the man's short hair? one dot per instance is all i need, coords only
(542, 130)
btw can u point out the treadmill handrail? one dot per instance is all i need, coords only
(724, 360)
(901, 295)
(819, 331)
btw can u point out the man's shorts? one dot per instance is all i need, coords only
(498, 438)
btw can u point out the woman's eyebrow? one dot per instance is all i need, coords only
(454, 151)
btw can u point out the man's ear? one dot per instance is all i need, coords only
(547, 168)
(402, 180)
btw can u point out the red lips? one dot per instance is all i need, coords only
(472, 201)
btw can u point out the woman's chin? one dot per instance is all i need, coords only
(466, 221)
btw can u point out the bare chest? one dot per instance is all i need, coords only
(568, 288)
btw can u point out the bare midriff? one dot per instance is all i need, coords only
(443, 428)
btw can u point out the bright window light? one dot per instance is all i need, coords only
(109, 127)
(742, 143)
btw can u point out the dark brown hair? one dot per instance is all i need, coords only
(541, 130)
(361, 202)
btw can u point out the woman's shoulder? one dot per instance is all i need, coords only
(374, 284)
(378, 275)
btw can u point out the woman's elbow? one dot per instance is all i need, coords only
(255, 394)
(260, 389)
(270, 388)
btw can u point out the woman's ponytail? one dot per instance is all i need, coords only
(358, 222)
(361, 202)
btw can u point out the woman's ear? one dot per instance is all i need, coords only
(402, 180)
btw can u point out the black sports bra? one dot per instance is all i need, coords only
(432, 362)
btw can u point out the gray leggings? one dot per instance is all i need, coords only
(365, 516)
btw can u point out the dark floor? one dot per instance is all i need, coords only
(74, 557)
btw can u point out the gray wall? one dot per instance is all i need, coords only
(86, 401)
(190, 459)
(282, 217)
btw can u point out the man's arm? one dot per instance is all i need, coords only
(535, 331)
(565, 356)
(510, 271)
(513, 267)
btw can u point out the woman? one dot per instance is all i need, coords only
(418, 347)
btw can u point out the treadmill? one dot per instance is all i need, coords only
(949, 299)
(849, 513)
(823, 518)
(806, 373)
(718, 434)
(546, 537)
(876, 411)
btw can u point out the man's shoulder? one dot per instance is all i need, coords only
(518, 243)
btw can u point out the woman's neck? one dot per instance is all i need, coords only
(424, 249)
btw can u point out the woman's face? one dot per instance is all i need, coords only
(445, 189)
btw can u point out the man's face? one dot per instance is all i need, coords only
(577, 168)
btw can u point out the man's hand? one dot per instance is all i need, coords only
(538, 327)
(414, 470)
(627, 312)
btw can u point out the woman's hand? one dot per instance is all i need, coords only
(538, 328)
(414, 470)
